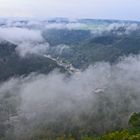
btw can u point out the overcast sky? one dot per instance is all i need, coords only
(101, 9)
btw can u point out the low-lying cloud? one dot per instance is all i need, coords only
(19, 35)
(110, 91)
(28, 48)
(121, 28)
(103, 95)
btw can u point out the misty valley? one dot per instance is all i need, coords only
(63, 79)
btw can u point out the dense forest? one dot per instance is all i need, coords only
(69, 80)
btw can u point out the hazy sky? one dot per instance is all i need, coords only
(107, 9)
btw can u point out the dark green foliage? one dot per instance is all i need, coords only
(86, 49)
(97, 124)
(65, 36)
(134, 120)
(13, 65)
(116, 135)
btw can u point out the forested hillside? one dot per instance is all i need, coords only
(69, 80)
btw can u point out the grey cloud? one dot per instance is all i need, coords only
(28, 48)
(112, 88)
(17, 35)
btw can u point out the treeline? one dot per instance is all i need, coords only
(131, 133)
